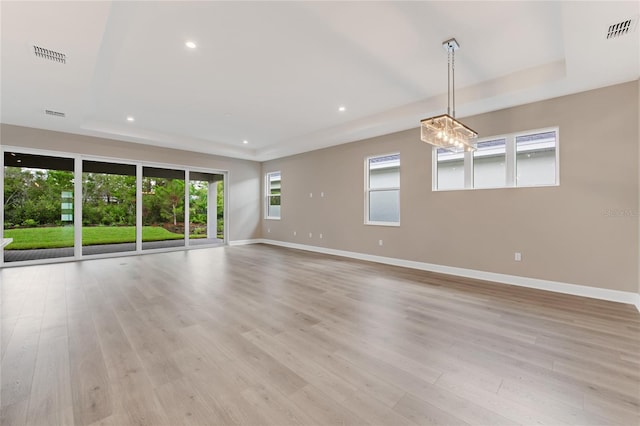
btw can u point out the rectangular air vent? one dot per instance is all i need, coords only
(49, 54)
(55, 113)
(622, 28)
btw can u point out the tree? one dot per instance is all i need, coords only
(108, 199)
(198, 195)
(171, 194)
(220, 200)
(16, 183)
(35, 195)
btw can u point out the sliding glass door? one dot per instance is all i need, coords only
(163, 199)
(206, 208)
(57, 206)
(38, 207)
(108, 207)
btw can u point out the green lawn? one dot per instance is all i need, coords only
(55, 237)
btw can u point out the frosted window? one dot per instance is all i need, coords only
(384, 206)
(274, 209)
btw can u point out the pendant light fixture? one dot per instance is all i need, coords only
(444, 131)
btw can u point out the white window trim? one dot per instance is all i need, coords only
(510, 163)
(267, 198)
(367, 191)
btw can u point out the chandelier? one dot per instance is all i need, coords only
(444, 131)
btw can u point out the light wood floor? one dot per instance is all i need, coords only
(263, 335)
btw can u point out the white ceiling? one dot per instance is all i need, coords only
(275, 73)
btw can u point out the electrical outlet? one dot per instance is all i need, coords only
(379, 242)
(268, 230)
(518, 256)
(320, 236)
(310, 235)
(322, 194)
(311, 195)
(294, 233)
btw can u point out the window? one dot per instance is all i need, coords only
(516, 160)
(382, 204)
(273, 187)
(490, 165)
(450, 169)
(536, 159)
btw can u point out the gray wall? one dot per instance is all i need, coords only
(244, 176)
(570, 233)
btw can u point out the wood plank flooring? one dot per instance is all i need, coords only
(257, 335)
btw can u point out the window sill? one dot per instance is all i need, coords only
(392, 224)
(496, 187)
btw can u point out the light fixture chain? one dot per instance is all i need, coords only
(449, 81)
(453, 80)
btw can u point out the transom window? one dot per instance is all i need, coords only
(516, 160)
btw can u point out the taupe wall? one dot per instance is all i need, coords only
(244, 176)
(564, 232)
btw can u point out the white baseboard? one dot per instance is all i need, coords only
(245, 242)
(555, 286)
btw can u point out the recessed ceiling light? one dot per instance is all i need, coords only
(130, 119)
(245, 141)
(342, 108)
(190, 44)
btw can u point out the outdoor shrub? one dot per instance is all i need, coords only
(30, 223)
(107, 220)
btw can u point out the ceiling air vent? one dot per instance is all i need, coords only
(49, 54)
(621, 28)
(55, 113)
